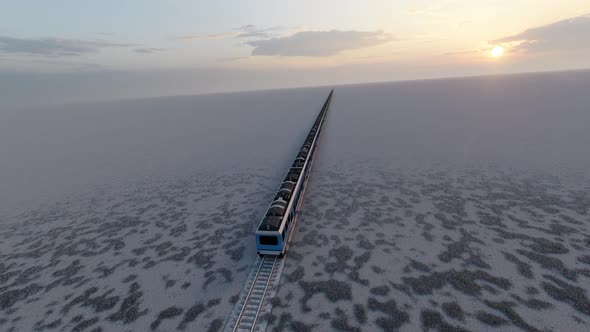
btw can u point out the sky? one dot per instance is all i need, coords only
(69, 51)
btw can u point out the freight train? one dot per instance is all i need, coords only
(275, 229)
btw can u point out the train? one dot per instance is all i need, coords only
(276, 227)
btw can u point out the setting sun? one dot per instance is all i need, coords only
(497, 51)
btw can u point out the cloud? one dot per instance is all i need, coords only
(213, 36)
(319, 43)
(244, 31)
(252, 31)
(254, 34)
(567, 35)
(248, 31)
(246, 27)
(230, 59)
(148, 50)
(53, 47)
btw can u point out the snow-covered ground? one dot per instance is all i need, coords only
(433, 204)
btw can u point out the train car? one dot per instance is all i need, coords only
(275, 229)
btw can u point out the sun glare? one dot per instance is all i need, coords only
(497, 51)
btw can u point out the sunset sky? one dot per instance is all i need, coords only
(75, 51)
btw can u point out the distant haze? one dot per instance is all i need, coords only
(531, 121)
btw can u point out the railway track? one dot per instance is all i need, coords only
(254, 299)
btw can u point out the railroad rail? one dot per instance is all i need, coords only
(254, 300)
